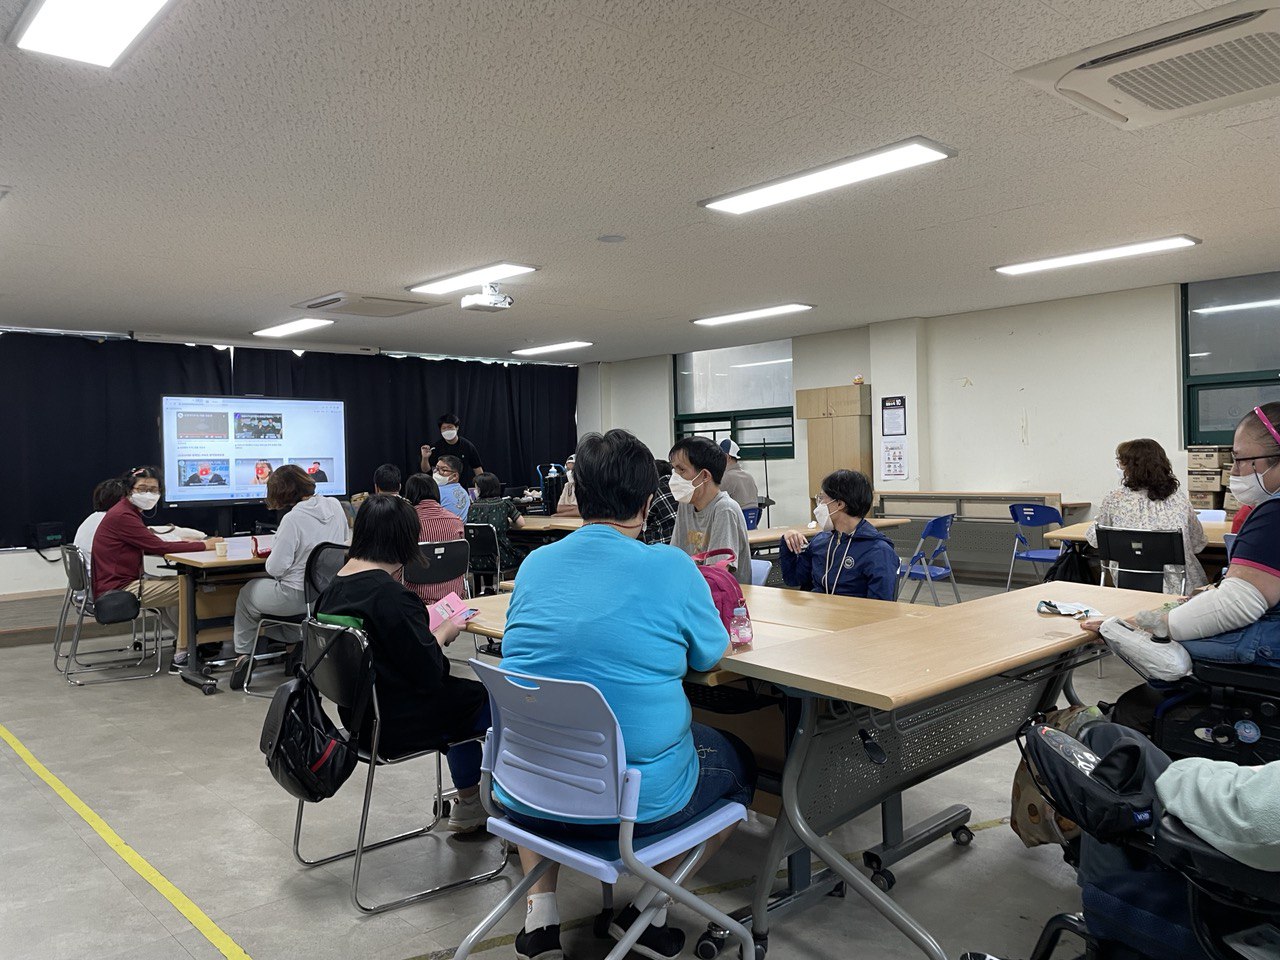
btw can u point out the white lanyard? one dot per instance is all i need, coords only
(826, 572)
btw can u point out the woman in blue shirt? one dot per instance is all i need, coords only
(849, 557)
(631, 618)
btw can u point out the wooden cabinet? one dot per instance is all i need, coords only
(853, 400)
(811, 404)
(839, 430)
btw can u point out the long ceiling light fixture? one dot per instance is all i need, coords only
(1227, 308)
(754, 314)
(292, 327)
(471, 278)
(1096, 256)
(904, 155)
(551, 348)
(98, 32)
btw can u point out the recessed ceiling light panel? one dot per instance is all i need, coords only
(292, 327)
(472, 278)
(90, 31)
(865, 166)
(754, 314)
(552, 348)
(1096, 256)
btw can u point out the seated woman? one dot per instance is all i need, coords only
(1148, 498)
(493, 508)
(849, 556)
(308, 520)
(1239, 621)
(105, 496)
(601, 607)
(452, 496)
(422, 705)
(121, 541)
(435, 525)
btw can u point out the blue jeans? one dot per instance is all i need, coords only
(1257, 643)
(464, 758)
(726, 771)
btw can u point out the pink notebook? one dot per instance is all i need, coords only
(452, 608)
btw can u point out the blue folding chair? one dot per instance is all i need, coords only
(1031, 516)
(555, 745)
(752, 516)
(924, 570)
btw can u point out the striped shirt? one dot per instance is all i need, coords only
(437, 524)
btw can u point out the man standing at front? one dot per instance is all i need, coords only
(707, 518)
(453, 445)
(737, 483)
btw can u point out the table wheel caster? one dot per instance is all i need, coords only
(962, 836)
(709, 945)
(884, 879)
(600, 925)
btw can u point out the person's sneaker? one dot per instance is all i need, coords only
(178, 662)
(540, 944)
(656, 943)
(1153, 658)
(467, 815)
(239, 672)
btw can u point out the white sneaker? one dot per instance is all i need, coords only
(1153, 659)
(466, 816)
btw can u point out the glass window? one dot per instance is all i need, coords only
(735, 378)
(1219, 409)
(1232, 325)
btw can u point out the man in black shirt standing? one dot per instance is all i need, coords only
(453, 445)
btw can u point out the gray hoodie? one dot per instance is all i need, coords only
(314, 520)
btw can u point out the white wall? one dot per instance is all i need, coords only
(634, 395)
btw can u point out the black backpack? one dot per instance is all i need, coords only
(307, 753)
(1071, 567)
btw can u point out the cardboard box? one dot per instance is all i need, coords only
(1208, 458)
(1206, 501)
(1226, 477)
(1204, 482)
(1230, 503)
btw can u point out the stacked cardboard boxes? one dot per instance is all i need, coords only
(1208, 477)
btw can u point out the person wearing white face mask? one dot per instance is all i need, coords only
(452, 497)
(121, 541)
(707, 518)
(1239, 621)
(453, 444)
(1149, 498)
(849, 557)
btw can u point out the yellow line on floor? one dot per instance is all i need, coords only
(197, 917)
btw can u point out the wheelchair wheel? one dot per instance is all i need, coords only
(884, 879)
(963, 836)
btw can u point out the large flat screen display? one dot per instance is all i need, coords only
(223, 449)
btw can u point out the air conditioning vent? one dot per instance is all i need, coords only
(355, 305)
(1210, 61)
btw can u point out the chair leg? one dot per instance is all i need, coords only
(1053, 931)
(501, 910)
(126, 663)
(62, 626)
(1008, 584)
(932, 590)
(254, 657)
(916, 592)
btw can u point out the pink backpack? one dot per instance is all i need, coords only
(726, 592)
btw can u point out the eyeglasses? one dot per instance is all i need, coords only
(1237, 460)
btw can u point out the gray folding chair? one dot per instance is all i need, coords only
(1135, 559)
(339, 676)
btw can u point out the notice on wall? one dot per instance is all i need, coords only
(893, 416)
(893, 458)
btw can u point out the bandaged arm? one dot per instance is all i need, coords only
(1235, 604)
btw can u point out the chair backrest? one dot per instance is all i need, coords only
(323, 564)
(1140, 556)
(939, 528)
(555, 745)
(760, 572)
(1229, 541)
(1211, 516)
(441, 562)
(1034, 515)
(483, 539)
(77, 570)
(339, 675)
(752, 516)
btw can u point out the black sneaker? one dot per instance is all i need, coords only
(239, 672)
(178, 662)
(541, 944)
(656, 943)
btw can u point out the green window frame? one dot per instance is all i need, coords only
(741, 426)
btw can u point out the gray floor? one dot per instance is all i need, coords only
(180, 778)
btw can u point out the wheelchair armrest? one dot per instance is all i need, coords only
(1181, 850)
(1242, 677)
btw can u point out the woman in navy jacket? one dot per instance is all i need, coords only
(849, 556)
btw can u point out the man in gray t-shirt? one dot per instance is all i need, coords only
(736, 482)
(707, 518)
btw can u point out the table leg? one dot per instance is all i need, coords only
(189, 631)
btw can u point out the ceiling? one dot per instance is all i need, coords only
(248, 155)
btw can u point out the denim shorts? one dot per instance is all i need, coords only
(726, 771)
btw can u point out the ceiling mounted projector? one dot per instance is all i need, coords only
(488, 299)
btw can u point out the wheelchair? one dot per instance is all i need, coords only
(1223, 711)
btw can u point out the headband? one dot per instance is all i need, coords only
(1267, 423)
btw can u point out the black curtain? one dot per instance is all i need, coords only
(77, 411)
(516, 415)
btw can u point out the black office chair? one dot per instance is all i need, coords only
(323, 564)
(339, 677)
(486, 558)
(1136, 559)
(440, 562)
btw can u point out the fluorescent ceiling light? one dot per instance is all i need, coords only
(1253, 305)
(1196, 356)
(552, 348)
(865, 166)
(292, 327)
(754, 314)
(472, 278)
(758, 363)
(91, 31)
(1094, 256)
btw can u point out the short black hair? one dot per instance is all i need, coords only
(614, 475)
(453, 463)
(488, 486)
(386, 531)
(664, 467)
(148, 471)
(448, 418)
(108, 493)
(421, 486)
(387, 477)
(703, 453)
(850, 487)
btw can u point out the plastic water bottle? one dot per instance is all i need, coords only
(740, 634)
